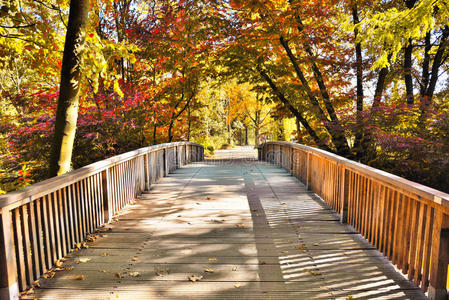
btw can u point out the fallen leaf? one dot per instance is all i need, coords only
(284, 251)
(79, 277)
(194, 278)
(316, 244)
(68, 268)
(135, 258)
(103, 271)
(240, 225)
(104, 254)
(49, 274)
(208, 198)
(36, 284)
(84, 260)
(237, 285)
(208, 270)
(262, 263)
(283, 203)
(302, 248)
(316, 273)
(212, 258)
(118, 275)
(134, 274)
(234, 268)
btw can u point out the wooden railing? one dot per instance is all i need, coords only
(43, 222)
(406, 221)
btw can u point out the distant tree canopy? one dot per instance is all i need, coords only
(364, 79)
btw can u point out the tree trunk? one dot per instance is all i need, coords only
(408, 73)
(246, 135)
(68, 102)
(189, 123)
(256, 135)
(359, 136)
(154, 134)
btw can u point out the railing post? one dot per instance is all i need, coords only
(9, 288)
(147, 171)
(344, 195)
(309, 170)
(440, 257)
(165, 162)
(107, 205)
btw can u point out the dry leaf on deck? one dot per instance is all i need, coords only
(84, 260)
(118, 275)
(134, 274)
(79, 277)
(194, 278)
(237, 285)
(208, 270)
(234, 268)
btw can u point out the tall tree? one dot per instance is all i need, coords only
(68, 101)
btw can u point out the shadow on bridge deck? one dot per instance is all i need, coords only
(248, 229)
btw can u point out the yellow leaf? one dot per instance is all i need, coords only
(79, 277)
(194, 278)
(208, 270)
(134, 274)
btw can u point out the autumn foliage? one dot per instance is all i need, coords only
(351, 77)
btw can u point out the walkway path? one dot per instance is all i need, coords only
(242, 229)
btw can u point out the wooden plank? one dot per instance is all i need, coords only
(40, 233)
(9, 288)
(71, 214)
(62, 228)
(51, 230)
(427, 248)
(47, 232)
(419, 245)
(27, 251)
(440, 257)
(33, 240)
(18, 243)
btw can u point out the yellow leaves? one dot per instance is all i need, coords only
(209, 270)
(212, 259)
(83, 260)
(134, 274)
(49, 275)
(79, 277)
(237, 285)
(82, 245)
(195, 278)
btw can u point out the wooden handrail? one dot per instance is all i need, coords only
(40, 224)
(406, 221)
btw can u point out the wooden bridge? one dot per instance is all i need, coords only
(288, 222)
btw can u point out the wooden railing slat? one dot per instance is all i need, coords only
(42, 223)
(406, 221)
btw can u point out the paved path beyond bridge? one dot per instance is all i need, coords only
(228, 228)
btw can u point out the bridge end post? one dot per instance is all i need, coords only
(439, 257)
(9, 288)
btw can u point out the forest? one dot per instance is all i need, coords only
(367, 80)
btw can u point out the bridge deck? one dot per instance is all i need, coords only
(244, 229)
